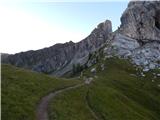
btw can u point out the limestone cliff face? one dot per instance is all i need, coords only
(138, 37)
(141, 21)
(59, 59)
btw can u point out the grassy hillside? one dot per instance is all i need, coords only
(71, 105)
(119, 92)
(22, 90)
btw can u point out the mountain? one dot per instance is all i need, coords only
(59, 59)
(141, 21)
(121, 79)
(137, 38)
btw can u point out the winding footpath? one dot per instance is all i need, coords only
(42, 109)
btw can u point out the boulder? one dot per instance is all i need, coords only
(93, 70)
(102, 67)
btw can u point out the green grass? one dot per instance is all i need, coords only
(71, 105)
(22, 90)
(119, 93)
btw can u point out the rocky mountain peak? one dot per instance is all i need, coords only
(141, 21)
(138, 37)
(106, 26)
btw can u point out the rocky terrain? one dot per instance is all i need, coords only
(137, 38)
(59, 59)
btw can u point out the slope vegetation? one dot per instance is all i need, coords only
(23, 89)
(119, 92)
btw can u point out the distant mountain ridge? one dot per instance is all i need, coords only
(59, 59)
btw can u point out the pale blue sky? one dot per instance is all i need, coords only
(78, 15)
(42, 24)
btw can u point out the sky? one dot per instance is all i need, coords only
(32, 25)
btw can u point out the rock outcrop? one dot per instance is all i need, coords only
(138, 37)
(59, 59)
(141, 21)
